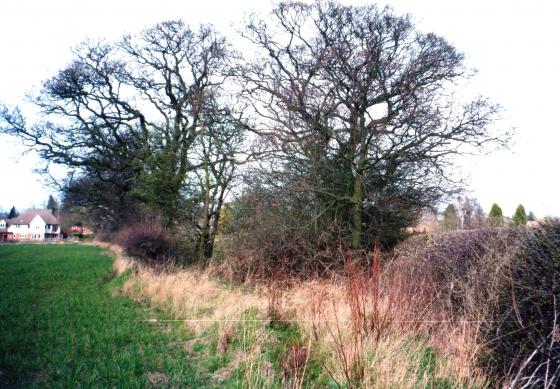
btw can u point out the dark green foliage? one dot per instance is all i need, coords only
(105, 200)
(13, 213)
(531, 216)
(52, 205)
(496, 216)
(525, 331)
(520, 217)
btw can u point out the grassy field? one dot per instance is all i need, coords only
(62, 324)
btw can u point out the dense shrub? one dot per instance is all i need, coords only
(149, 242)
(525, 332)
(263, 240)
(270, 231)
(505, 283)
(278, 257)
(454, 270)
(105, 236)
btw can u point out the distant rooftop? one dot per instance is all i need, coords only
(28, 215)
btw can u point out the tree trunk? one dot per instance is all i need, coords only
(357, 212)
(205, 230)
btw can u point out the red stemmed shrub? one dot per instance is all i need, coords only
(149, 242)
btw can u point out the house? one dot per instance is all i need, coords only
(33, 225)
(5, 236)
(78, 230)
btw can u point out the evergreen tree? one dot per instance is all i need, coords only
(13, 213)
(520, 217)
(496, 216)
(450, 219)
(531, 216)
(52, 205)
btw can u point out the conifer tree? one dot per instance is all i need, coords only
(450, 219)
(520, 217)
(496, 216)
(52, 205)
(13, 213)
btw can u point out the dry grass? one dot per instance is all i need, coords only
(393, 357)
(122, 263)
(193, 296)
(189, 295)
(405, 350)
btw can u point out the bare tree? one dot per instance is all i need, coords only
(356, 107)
(470, 213)
(220, 149)
(133, 113)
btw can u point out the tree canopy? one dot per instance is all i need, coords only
(354, 105)
(136, 121)
(351, 109)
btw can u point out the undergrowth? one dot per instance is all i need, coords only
(358, 331)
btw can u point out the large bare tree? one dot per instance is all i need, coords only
(138, 113)
(357, 110)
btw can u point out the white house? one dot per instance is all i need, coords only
(5, 236)
(34, 224)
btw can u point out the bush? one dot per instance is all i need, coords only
(149, 242)
(525, 328)
(269, 232)
(505, 283)
(262, 240)
(454, 270)
(105, 236)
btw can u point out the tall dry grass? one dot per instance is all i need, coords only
(368, 331)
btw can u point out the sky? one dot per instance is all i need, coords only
(512, 44)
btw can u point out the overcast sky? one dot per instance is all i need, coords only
(513, 44)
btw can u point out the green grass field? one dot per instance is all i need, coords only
(62, 324)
